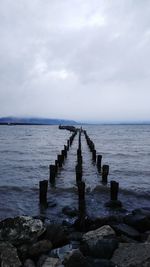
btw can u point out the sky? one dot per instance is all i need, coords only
(75, 59)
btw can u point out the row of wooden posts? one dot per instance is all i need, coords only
(53, 171)
(103, 170)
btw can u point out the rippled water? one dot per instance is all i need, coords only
(27, 151)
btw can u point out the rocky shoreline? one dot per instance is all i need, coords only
(119, 240)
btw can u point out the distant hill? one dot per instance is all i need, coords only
(34, 121)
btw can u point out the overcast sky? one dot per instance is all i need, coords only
(75, 59)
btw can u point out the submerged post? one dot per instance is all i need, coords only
(43, 185)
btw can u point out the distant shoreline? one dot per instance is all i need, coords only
(91, 124)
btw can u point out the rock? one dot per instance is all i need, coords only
(83, 223)
(143, 211)
(100, 262)
(23, 252)
(138, 221)
(125, 239)
(8, 255)
(75, 259)
(77, 236)
(51, 262)
(102, 249)
(40, 247)
(60, 252)
(126, 230)
(56, 234)
(107, 220)
(98, 234)
(29, 263)
(132, 255)
(21, 229)
(71, 212)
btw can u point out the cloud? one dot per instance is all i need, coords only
(75, 59)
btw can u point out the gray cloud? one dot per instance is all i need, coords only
(75, 59)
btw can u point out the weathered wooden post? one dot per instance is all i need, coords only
(63, 153)
(68, 144)
(105, 172)
(78, 173)
(94, 155)
(56, 165)
(99, 162)
(79, 152)
(114, 187)
(43, 185)
(114, 202)
(81, 190)
(79, 160)
(52, 169)
(60, 160)
(65, 149)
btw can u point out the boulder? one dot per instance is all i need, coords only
(75, 259)
(8, 255)
(56, 234)
(103, 232)
(102, 249)
(138, 221)
(132, 255)
(100, 262)
(40, 247)
(46, 261)
(143, 211)
(99, 243)
(126, 230)
(21, 229)
(29, 263)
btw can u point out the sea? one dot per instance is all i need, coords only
(27, 151)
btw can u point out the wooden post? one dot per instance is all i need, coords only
(56, 165)
(94, 155)
(105, 172)
(63, 155)
(78, 173)
(99, 162)
(43, 185)
(114, 187)
(79, 152)
(68, 144)
(79, 160)
(52, 169)
(65, 149)
(81, 190)
(60, 161)
(114, 203)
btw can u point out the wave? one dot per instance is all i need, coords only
(8, 188)
(124, 191)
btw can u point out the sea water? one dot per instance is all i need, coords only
(27, 151)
